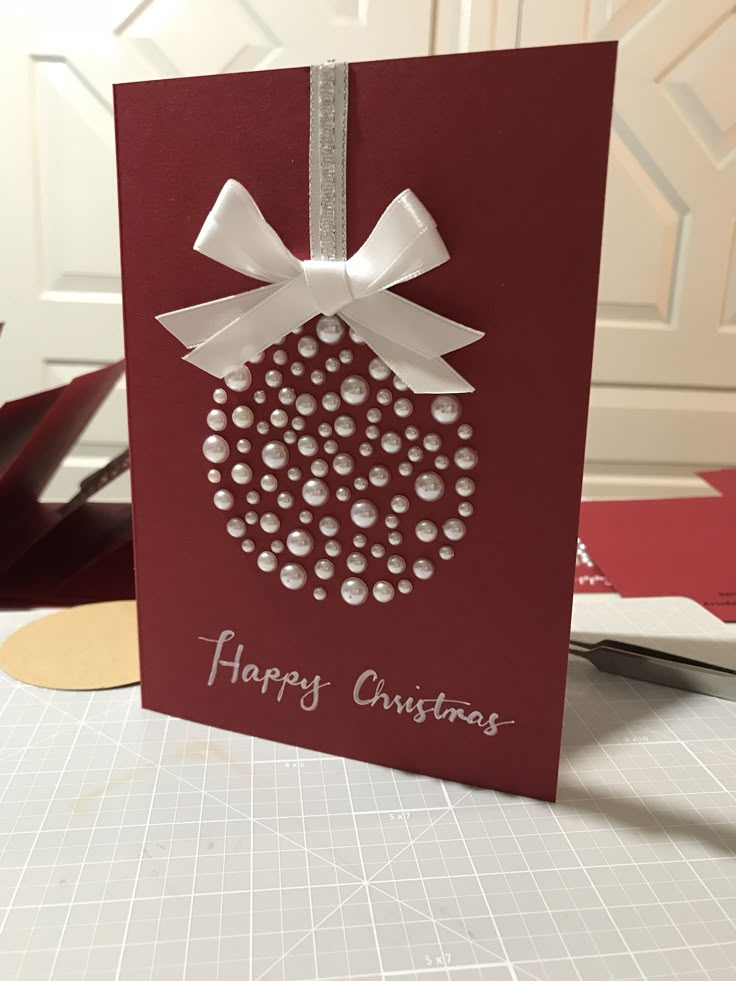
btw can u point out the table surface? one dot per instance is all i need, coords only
(137, 846)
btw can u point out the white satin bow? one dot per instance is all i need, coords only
(405, 243)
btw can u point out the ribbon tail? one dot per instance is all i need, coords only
(279, 311)
(424, 376)
(194, 325)
(422, 331)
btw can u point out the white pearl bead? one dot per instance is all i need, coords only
(400, 504)
(378, 551)
(224, 500)
(299, 542)
(239, 379)
(373, 432)
(293, 576)
(273, 378)
(275, 455)
(445, 409)
(360, 541)
(360, 483)
(298, 423)
(214, 476)
(306, 517)
(306, 404)
(403, 408)
(447, 552)
(331, 401)
(364, 514)
(248, 545)
(346, 356)
(465, 509)
(333, 548)
(262, 427)
(406, 469)
(251, 518)
(319, 592)
(354, 591)
(267, 562)
(307, 346)
(441, 462)
(330, 330)
(257, 358)
(241, 473)
(415, 454)
(426, 531)
(287, 396)
(384, 396)
(378, 370)
(332, 364)
(220, 396)
(243, 417)
(319, 468)
(297, 368)
(243, 446)
(236, 527)
(259, 396)
(216, 420)
(423, 568)
(405, 586)
(465, 486)
(373, 415)
(395, 538)
(466, 458)
(294, 473)
(307, 445)
(269, 482)
(277, 546)
(343, 464)
(215, 449)
(379, 476)
(279, 418)
(285, 499)
(432, 442)
(383, 591)
(344, 426)
(324, 569)
(318, 377)
(365, 449)
(330, 446)
(354, 390)
(329, 526)
(252, 497)
(454, 529)
(280, 357)
(391, 521)
(465, 431)
(315, 492)
(270, 522)
(395, 564)
(429, 486)
(324, 429)
(356, 562)
(391, 442)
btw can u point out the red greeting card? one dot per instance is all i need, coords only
(333, 543)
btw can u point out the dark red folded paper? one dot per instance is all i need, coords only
(508, 152)
(47, 555)
(678, 547)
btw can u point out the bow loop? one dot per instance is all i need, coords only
(404, 244)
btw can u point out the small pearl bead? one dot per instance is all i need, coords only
(224, 500)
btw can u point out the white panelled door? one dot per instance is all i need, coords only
(664, 397)
(59, 268)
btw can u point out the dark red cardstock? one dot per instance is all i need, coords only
(508, 151)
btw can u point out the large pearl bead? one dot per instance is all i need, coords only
(224, 500)
(299, 542)
(329, 526)
(344, 426)
(429, 486)
(354, 591)
(383, 591)
(330, 330)
(466, 458)
(324, 569)
(315, 492)
(238, 380)
(454, 529)
(242, 473)
(354, 390)
(423, 568)
(426, 531)
(391, 442)
(275, 455)
(293, 576)
(216, 420)
(445, 409)
(306, 404)
(364, 514)
(267, 562)
(215, 449)
(270, 522)
(243, 417)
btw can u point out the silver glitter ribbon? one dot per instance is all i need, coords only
(328, 132)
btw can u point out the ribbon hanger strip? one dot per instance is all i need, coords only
(404, 244)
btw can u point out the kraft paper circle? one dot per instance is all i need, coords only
(82, 648)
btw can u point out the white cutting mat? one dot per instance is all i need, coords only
(135, 846)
